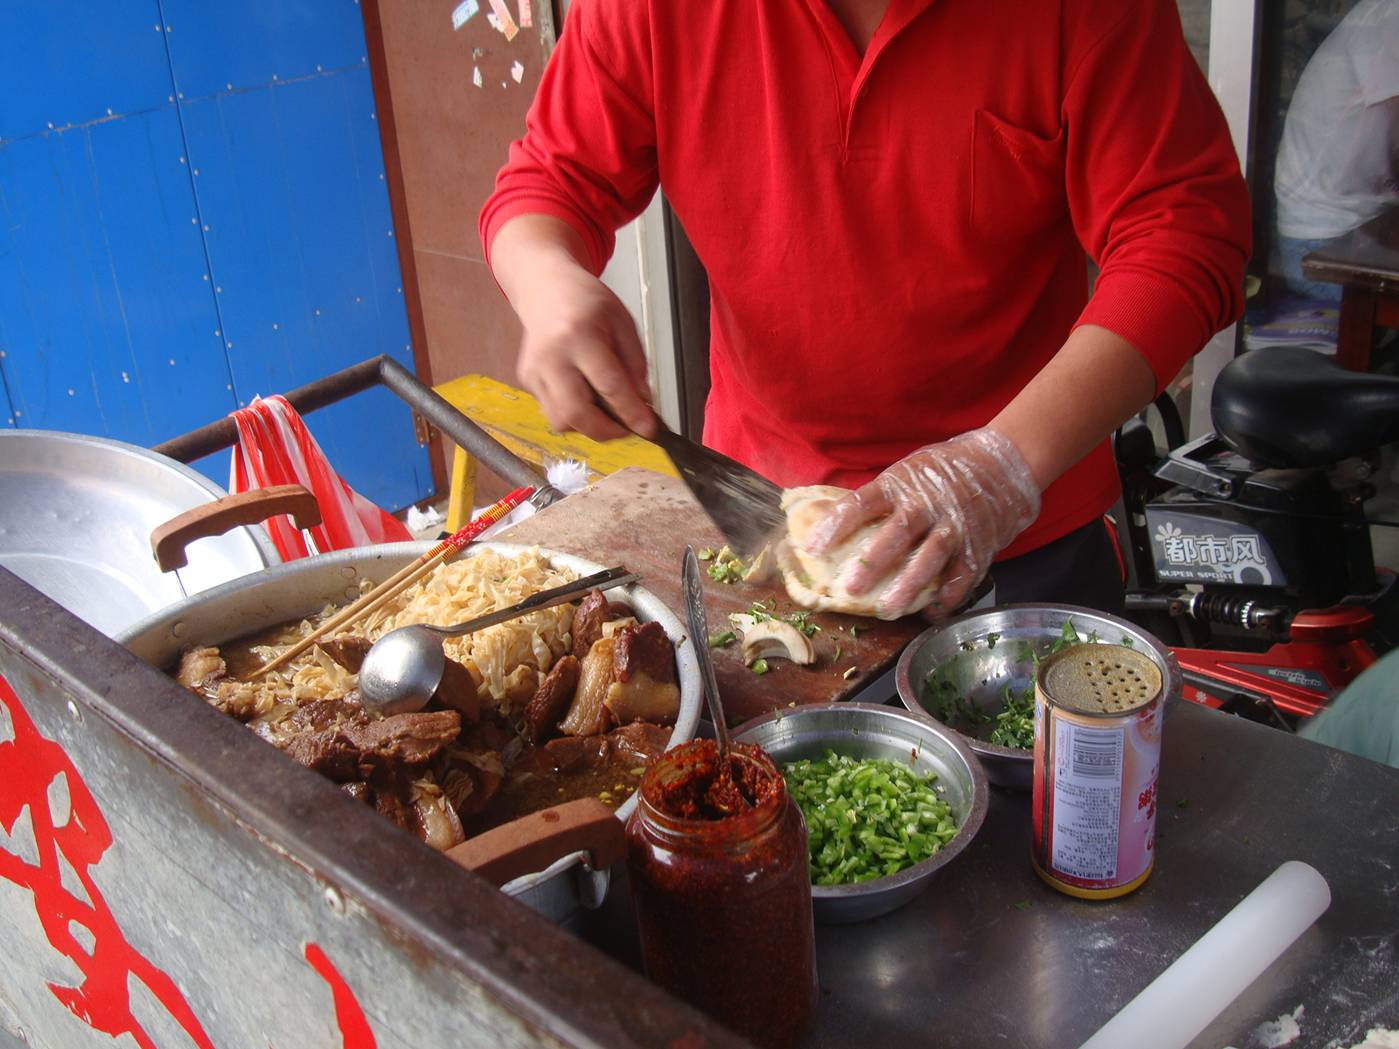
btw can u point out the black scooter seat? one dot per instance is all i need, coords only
(1286, 406)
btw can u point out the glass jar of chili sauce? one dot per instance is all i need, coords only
(720, 883)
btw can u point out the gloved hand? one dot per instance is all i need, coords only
(950, 507)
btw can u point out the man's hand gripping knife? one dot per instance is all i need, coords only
(950, 507)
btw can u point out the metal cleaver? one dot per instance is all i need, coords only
(744, 504)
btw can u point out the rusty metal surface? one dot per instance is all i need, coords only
(643, 520)
(148, 842)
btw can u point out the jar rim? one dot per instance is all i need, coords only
(741, 824)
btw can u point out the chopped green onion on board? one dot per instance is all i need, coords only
(727, 566)
(867, 818)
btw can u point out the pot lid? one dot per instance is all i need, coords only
(76, 515)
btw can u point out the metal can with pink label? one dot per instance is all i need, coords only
(1097, 759)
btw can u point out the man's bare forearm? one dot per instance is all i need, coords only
(580, 347)
(526, 250)
(1096, 382)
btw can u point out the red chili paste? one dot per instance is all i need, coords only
(702, 791)
(721, 889)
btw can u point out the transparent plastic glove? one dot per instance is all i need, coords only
(950, 507)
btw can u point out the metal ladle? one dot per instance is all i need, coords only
(402, 670)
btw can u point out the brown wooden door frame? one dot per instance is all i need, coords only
(403, 231)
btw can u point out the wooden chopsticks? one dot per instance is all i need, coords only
(400, 580)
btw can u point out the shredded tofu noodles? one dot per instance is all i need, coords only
(506, 661)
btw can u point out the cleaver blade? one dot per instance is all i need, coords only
(742, 503)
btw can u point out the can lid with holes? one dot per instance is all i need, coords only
(1105, 680)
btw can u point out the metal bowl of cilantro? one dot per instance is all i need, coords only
(976, 673)
(889, 798)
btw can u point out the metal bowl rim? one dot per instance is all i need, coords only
(976, 811)
(1172, 680)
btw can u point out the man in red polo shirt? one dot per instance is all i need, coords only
(892, 200)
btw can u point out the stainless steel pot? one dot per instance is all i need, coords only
(295, 590)
(76, 517)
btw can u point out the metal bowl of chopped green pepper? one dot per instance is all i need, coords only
(889, 798)
(976, 673)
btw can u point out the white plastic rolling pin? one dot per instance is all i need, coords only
(1181, 1002)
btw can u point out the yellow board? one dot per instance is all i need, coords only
(515, 419)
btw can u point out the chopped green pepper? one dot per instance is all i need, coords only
(867, 818)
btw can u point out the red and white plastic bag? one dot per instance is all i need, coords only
(275, 448)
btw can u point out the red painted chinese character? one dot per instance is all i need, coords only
(354, 1028)
(29, 765)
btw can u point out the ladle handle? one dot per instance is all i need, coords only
(699, 637)
(604, 580)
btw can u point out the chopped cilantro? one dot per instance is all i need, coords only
(1015, 722)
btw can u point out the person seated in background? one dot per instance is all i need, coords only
(1338, 165)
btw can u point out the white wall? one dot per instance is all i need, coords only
(639, 274)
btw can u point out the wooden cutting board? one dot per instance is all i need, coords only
(643, 520)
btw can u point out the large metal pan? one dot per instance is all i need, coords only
(76, 517)
(295, 590)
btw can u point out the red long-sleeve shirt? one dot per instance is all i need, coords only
(895, 243)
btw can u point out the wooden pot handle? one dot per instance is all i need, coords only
(169, 540)
(531, 843)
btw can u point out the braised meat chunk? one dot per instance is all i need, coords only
(200, 667)
(407, 739)
(640, 741)
(349, 652)
(587, 714)
(592, 612)
(551, 700)
(644, 686)
(457, 691)
(644, 648)
(338, 739)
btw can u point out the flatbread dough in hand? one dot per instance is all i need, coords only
(815, 581)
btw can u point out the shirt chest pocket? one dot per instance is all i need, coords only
(1017, 179)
